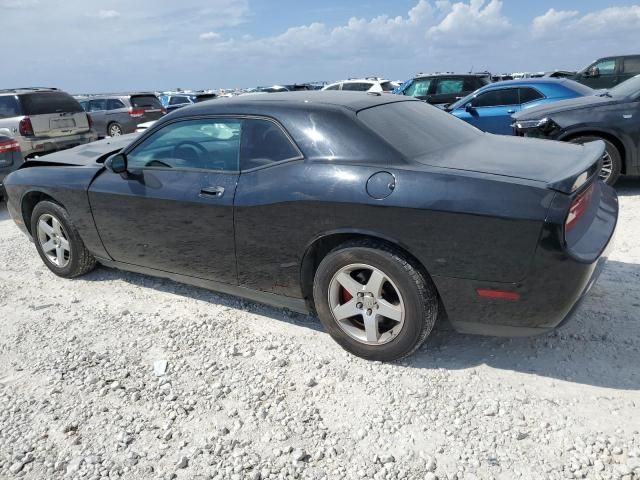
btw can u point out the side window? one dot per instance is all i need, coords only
(495, 98)
(357, 87)
(263, 143)
(419, 88)
(209, 144)
(529, 95)
(605, 67)
(632, 65)
(114, 104)
(449, 86)
(98, 105)
(334, 87)
(9, 106)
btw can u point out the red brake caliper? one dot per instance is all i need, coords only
(345, 296)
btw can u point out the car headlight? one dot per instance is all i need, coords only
(526, 124)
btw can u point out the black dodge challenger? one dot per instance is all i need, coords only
(379, 212)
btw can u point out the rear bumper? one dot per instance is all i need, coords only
(35, 146)
(556, 283)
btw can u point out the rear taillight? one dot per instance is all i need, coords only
(136, 112)
(25, 128)
(89, 121)
(9, 146)
(579, 206)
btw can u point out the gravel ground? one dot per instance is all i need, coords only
(118, 375)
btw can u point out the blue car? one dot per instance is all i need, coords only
(490, 107)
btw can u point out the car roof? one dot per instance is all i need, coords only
(320, 99)
(19, 90)
(522, 82)
(469, 75)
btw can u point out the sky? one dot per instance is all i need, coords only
(87, 46)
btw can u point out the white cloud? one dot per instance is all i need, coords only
(106, 14)
(552, 20)
(570, 23)
(18, 3)
(210, 36)
(466, 24)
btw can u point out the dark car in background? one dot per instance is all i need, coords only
(612, 116)
(442, 89)
(115, 115)
(10, 156)
(490, 108)
(378, 212)
(609, 71)
(178, 100)
(44, 120)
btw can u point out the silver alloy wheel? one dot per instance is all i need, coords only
(115, 130)
(53, 240)
(607, 167)
(366, 304)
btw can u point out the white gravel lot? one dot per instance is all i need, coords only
(253, 392)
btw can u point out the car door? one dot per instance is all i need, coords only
(117, 112)
(491, 111)
(98, 112)
(602, 74)
(447, 90)
(173, 210)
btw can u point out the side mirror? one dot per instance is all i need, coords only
(469, 107)
(593, 72)
(116, 163)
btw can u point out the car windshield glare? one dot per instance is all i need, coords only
(626, 89)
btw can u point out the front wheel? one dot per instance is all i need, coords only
(611, 160)
(58, 241)
(373, 301)
(114, 130)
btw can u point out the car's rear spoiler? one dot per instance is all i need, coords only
(582, 172)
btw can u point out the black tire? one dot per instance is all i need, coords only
(80, 260)
(611, 150)
(418, 293)
(114, 129)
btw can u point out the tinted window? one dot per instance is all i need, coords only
(357, 86)
(449, 86)
(387, 87)
(178, 100)
(508, 96)
(415, 128)
(145, 101)
(263, 143)
(529, 95)
(204, 98)
(9, 107)
(114, 104)
(211, 144)
(334, 87)
(42, 103)
(98, 105)
(632, 65)
(84, 104)
(419, 88)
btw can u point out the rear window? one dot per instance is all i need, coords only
(43, 103)
(415, 128)
(387, 87)
(357, 86)
(204, 98)
(145, 101)
(9, 107)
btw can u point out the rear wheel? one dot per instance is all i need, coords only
(373, 301)
(58, 241)
(114, 130)
(611, 160)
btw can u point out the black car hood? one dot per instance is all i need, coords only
(542, 111)
(84, 155)
(554, 164)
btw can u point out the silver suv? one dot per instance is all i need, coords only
(44, 120)
(114, 115)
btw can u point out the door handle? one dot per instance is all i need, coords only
(212, 191)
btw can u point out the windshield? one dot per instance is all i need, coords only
(626, 89)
